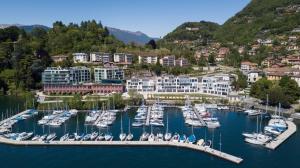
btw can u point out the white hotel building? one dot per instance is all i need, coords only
(213, 85)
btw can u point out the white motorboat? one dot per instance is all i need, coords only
(64, 138)
(175, 138)
(51, 137)
(122, 135)
(108, 137)
(151, 137)
(94, 135)
(36, 138)
(254, 141)
(100, 137)
(272, 130)
(160, 137)
(144, 136)
(129, 137)
(43, 137)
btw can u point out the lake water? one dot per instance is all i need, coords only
(233, 124)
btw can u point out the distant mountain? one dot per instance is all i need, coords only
(27, 28)
(261, 19)
(129, 36)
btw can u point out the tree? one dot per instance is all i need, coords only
(211, 59)
(202, 61)
(240, 82)
(152, 44)
(260, 88)
(290, 88)
(276, 96)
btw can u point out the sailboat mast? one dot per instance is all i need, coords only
(121, 123)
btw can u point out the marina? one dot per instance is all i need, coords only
(62, 137)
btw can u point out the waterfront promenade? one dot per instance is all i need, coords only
(200, 148)
(292, 128)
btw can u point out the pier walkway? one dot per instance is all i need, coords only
(208, 150)
(148, 116)
(199, 117)
(292, 128)
(13, 117)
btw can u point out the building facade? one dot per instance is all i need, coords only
(123, 58)
(100, 57)
(66, 76)
(84, 89)
(168, 61)
(177, 84)
(109, 74)
(140, 84)
(216, 85)
(80, 57)
(148, 59)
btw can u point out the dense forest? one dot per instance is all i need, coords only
(24, 55)
(260, 19)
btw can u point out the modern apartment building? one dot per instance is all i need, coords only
(109, 74)
(214, 85)
(100, 57)
(176, 84)
(140, 84)
(123, 58)
(66, 76)
(148, 59)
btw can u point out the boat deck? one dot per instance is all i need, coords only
(208, 150)
(292, 128)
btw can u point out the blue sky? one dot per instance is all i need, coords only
(153, 17)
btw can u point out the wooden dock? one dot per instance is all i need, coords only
(208, 150)
(292, 128)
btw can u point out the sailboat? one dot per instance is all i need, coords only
(168, 135)
(108, 136)
(122, 135)
(76, 135)
(151, 137)
(257, 138)
(130, 135)
(66, 135)
(145, 135)
(192, 138)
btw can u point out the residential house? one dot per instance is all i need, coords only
(59, 58)
(80, 57)
(223, 51)
(182, 62)
(247, 66)
(168, 61)
(148, 59)
(254, 76)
